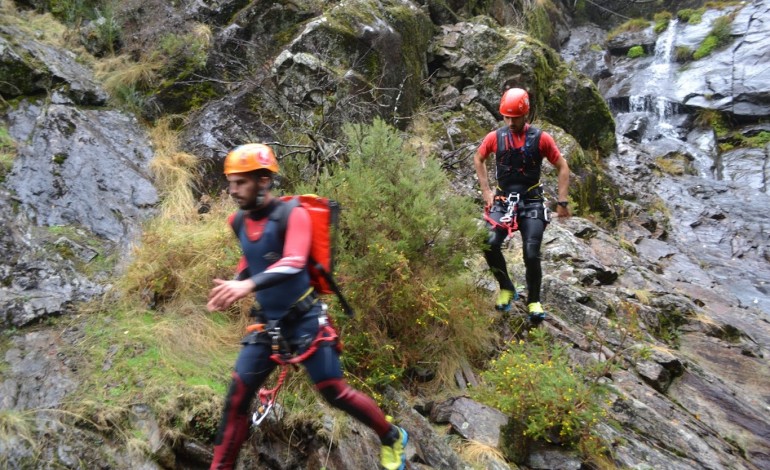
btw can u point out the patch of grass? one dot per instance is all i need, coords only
(674, 164)
(705, 118)
(632, 25)
(662, 19)
(478, 454)
(719, 36)
(7, 152)
(178, 258)
(691, 15)
(635, 51)
(174, 171)
(178, 364)
(682, 54)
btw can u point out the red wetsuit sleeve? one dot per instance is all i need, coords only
(296, 248)
(489, 144)
(548, 148)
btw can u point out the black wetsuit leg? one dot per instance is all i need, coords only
(532, 237)
(493, 250)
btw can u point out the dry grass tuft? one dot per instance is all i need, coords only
(123, 72)
(478, 454)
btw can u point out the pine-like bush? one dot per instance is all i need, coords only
(404, 237)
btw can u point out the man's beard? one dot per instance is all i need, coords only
(256, 203)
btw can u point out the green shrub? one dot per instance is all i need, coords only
(636, 51)
(404, 237)
(545, 398)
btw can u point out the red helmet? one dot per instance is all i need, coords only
(251, 157)
(514, 103)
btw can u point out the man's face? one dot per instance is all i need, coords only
(515, 123)
(245, 189)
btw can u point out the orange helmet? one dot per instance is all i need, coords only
(251, 157)
(514, 103)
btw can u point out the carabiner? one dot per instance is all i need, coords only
(261, 413)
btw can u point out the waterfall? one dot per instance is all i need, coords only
(651, 98)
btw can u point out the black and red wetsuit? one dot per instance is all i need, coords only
(518, 171)
(278, 267)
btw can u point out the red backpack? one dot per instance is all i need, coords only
(324, 214)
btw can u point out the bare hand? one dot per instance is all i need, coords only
(562, 212)
(226, 293)
(489, 198)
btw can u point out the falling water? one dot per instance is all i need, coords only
(652, 100)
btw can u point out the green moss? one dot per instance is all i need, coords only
(539, 23)
(705, 48)
(7, 152)
(662, 20)
(682, 54)
(690, 15)
(59, 158)
(718, 36)
(635, 51)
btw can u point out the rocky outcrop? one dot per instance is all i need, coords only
(78, 170)
(477, 59)
(731, 78)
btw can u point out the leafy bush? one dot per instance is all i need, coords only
(545, 398)
(404, 237)
(636, 51)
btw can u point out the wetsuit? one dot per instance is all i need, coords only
(518, 171)
(277, 265)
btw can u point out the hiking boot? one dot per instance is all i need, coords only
(393, 457)
(536, 313)
(505, 298)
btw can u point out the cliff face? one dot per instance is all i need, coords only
(684, 265)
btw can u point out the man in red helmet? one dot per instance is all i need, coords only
(517, 203)
(274, 269)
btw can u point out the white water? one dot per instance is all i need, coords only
(651, 99)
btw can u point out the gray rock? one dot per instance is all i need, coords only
(67, 146)
(471, 420)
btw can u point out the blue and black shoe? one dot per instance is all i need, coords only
(536, 313)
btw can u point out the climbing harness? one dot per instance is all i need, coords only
(281, 354)
(510, 220)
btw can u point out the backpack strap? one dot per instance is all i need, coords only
(502, 133)
(238, 222)
(532, 141)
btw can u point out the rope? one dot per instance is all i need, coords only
(607, 9)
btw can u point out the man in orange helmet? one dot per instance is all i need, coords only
(518, 203)
(274, 269)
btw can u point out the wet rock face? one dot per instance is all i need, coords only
(82, 166)
(730, 79)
